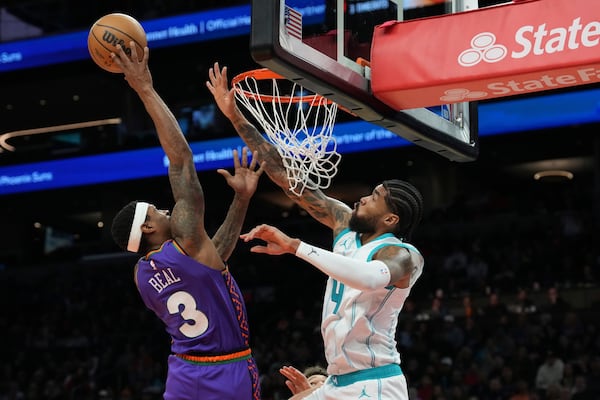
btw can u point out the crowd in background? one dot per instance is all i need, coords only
(507, 306)
(506, 309)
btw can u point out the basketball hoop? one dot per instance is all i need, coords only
(299, 124)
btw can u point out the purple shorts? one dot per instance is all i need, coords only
(189, 381)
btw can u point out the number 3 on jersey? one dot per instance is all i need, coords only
(337, 292)
(189, 312)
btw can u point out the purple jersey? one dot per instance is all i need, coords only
(203, 311)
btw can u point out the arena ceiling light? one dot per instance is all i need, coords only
(5, 146)
(553, 174)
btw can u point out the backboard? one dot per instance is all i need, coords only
(321, 45)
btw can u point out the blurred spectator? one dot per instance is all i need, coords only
(477, 272)
(523, 303)
(521, 391)
(495, 308)
(455, 266)
(568, 380)
(555, 306)
(443, 377)
(437, 311)
(549, 374)
(509, 386)
(554, 392)
(494, 390)
(593, 376)
(451, 335)
(524, 363)
(571, 224)
(425, 388)
(316, 375)
(493, 313)
(580, 390)
(467, 306)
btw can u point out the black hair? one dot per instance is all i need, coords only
(315, 370)
(406, 201)
(121, 225)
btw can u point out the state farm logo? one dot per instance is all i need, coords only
(532, 40)
(461, 94)
(513, 85)
(483, 48)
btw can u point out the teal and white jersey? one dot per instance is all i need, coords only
(359, 327)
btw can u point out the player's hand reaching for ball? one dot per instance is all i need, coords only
(137, 73)
(245, 178)
(277, 242)
(218, 85)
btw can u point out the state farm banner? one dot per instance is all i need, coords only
(504, 50)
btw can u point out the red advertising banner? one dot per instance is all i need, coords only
(504, 50)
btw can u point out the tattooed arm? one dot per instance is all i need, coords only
(330, 212)
(187, 217)
(244, 183)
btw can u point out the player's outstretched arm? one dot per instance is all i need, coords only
(243, 182)
(187, 218)
(137, 74)
(225, 99)
(395, 269)
(324, 209)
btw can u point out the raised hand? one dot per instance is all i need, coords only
(137, 73)
(219, 87)
(245, 177)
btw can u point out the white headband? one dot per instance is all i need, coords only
(135, 235)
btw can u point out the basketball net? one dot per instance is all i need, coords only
(299, 124)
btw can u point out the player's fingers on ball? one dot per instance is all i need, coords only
(121, 51)
(116, 59)
(133, 47)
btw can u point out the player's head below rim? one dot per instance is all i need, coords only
(140, 227)
(394, 206)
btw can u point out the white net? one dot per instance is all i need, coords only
(299, 124)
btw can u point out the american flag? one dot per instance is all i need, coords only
(293, 22)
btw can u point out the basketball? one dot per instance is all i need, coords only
(113, 29)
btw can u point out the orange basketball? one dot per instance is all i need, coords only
(113, 29)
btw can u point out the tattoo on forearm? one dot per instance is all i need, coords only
(324, 209)
(228, 233)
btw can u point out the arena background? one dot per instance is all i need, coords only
(75, 328)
